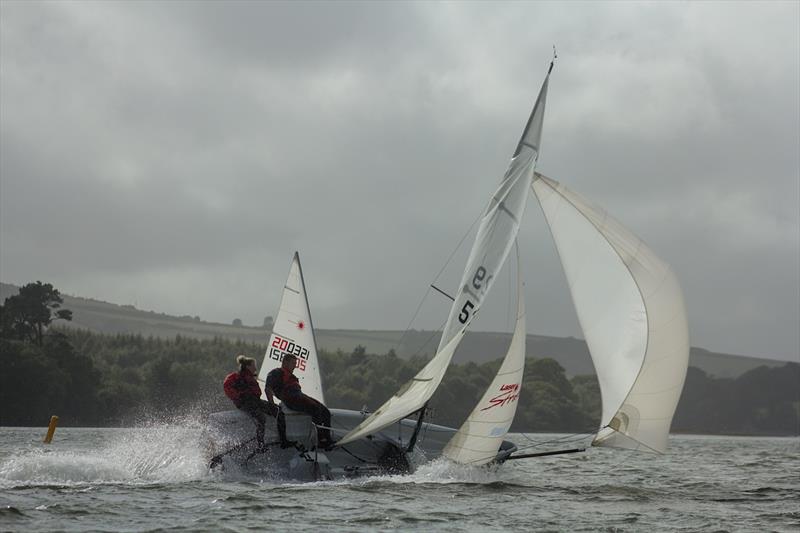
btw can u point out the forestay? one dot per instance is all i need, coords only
(480, 436)
(499, 225)
(496, 233)
(631, 311)
(293, 333)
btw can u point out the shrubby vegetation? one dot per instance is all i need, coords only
(91, 379)
(763, 401)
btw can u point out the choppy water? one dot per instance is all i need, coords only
(155, 478)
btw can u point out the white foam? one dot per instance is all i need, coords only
(158, 453)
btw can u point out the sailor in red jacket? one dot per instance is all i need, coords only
(284, 384)
(242, 388)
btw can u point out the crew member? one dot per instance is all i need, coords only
(242, 388)
(284, 384)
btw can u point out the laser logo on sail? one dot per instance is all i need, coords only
(508, 393)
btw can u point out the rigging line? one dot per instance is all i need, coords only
(399, 343)
(428, 340)
(218, 458)
(479, 217)
(573, 442)
(574, 436)
(446, 263)
(354, 455)
(569, 438)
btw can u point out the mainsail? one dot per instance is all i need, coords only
(496, 233)
(293, 333)
(480, 436)
(631, 311)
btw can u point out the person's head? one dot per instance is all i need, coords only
(246, 363)
(289, 362)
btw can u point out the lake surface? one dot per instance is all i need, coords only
(156, 478)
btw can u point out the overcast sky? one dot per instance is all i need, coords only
(173, 155)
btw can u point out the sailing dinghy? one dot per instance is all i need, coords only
(230, 434)
(630, 309)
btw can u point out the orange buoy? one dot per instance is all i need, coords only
(51, 429)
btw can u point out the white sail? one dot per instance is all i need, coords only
(293, 333)
(496, 234)
(631, 311)
(499, 225)
(411, 397)
(480, 436)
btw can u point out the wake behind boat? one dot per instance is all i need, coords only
(629, 306)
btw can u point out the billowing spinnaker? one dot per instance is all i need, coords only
(631, 310)
(480, 436)
(293, 333)
(496, 234)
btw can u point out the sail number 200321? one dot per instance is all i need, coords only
(281, 347)
(479, 283)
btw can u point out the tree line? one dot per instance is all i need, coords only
(92, 379)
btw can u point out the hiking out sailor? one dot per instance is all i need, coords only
(242, 388)
(284, 384)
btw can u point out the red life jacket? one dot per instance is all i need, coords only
(283, 383)
(240, 385)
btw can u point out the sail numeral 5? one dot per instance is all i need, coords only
(464, 315)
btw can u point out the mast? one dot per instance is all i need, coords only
(311, 326)
(495, 237)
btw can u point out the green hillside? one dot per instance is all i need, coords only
(479, 347)
(99, 378)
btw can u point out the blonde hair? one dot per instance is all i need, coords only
(243, 361)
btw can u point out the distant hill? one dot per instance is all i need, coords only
(571, 353)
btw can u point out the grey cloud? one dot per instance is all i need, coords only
(180, 152)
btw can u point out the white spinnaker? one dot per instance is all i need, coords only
(480, 436)
(630, 308)
(496, 233)
(293, 332)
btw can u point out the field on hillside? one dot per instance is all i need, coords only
(571, 353)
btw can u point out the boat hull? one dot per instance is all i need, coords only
(380, 454)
